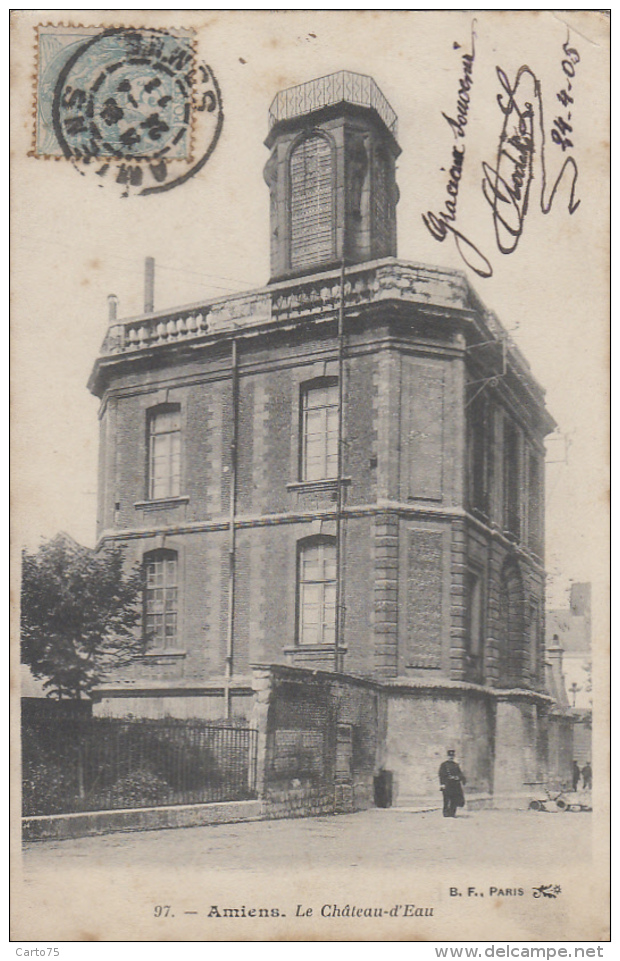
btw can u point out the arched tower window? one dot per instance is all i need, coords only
(383, 207)
(312, 202)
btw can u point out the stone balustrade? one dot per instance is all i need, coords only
(304, 298)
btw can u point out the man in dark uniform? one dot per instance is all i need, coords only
(576, 775)
(586, 774)
(451, 779)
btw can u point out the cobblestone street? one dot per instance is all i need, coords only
(390, 838)
(460, 874)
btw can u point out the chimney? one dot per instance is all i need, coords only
(555, 653)
(112, 309)
(149, 285)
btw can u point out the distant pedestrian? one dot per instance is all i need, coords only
(576, 775)
(586, 774)
(451, 780)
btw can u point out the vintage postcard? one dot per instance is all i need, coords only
(310, 362)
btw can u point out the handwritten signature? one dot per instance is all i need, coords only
(506, 183)
(506, 186)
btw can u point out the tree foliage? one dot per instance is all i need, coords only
(80, 612)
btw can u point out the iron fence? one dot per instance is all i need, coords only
(109, 763)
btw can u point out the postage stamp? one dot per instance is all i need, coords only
(134, 99)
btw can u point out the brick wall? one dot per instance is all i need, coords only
(319, 740)
(404, 566)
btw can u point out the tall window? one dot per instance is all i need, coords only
(319, 431)
(534, 505)
(473, 614)
(477, 455)
(534, 638)
(161, 598)
(511, 628)
(317, 592)
(312, 200)
(164, 466)
(512, 480)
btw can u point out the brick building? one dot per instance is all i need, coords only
(341, 471)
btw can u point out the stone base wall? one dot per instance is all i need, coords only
(299, 802)
(90, 823)
(505, 742)
(423, 725)
(319, 738)
(323, 737)
(363, 792)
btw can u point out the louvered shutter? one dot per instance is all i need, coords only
(311, 203)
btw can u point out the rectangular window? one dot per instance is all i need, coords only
(161, 600)
(319, 432)
(164, 453)
(317, 593)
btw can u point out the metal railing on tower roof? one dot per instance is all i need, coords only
(343, 86)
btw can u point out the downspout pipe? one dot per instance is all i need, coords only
(339, 632)
(230, 634)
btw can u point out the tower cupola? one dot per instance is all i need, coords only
(331, 175)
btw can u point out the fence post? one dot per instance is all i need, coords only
(80, 771)
(262, 682)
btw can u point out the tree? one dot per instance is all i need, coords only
(79, 614)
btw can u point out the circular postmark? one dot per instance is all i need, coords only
(134, 106)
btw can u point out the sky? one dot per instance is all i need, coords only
(76, 240)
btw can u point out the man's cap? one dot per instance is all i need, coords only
(451, 751)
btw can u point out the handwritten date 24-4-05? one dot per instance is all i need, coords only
(561, 125)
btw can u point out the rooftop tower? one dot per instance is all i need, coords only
(331, 175)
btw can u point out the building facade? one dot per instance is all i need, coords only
(569, 640)
(341, 471)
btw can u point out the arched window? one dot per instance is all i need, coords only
(161, 598)
(312, 202)
(512, 641)
(319, 430)
(316, 591)
(164, 451)
(382, 207)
